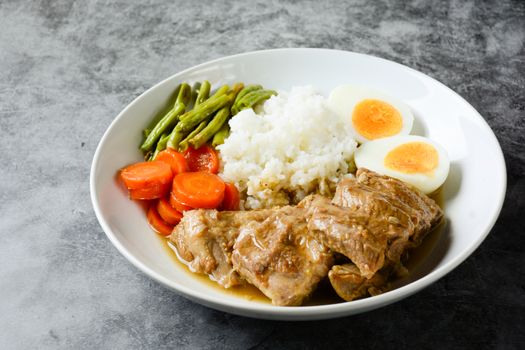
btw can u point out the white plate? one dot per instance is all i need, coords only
(473, 193)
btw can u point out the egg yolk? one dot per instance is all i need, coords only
(413, 157)
(375, 119)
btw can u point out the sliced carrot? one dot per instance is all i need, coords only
(175, 159)
(177, 204)
(146, 174)
(152, 192)
(204, 158)
(231, 199)
(199, 189)
(157, 224)
(167, 213)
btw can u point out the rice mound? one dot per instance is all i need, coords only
(295, 146)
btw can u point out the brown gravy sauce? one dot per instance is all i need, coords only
(248, 291)
(324, 293)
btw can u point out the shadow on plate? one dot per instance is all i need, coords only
(418, 128)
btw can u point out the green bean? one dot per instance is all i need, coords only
(241, 94)
(160, 115)
(191, 119)
(218, 121)
(252, 98)
(204, 92)
(175, 138)
(236, 89)
(161, 145)
(184, 95)
(195, 92)
(221, 91)
(202, 113)
(221, 135)
(194, 117)
(169, 119)
(164, 124)
(183, 145)
(211, 129)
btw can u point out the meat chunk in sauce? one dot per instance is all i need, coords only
(423, 210)
(372, 220)
(370, 233)
(349, 284)
(269, 248)
(280, 258)
(352, 282)
(204, 240)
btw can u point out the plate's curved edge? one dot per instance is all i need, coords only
(303, 312)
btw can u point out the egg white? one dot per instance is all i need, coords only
(371, 155)
(344, 98)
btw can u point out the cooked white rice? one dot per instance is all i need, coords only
(295, 146)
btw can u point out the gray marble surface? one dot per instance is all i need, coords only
(68, 67)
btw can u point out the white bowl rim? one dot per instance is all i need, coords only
(309, 312)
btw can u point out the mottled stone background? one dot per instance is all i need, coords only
(68, 67)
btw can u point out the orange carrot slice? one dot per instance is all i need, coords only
(157, 224)
(175, 159)
(177, 204)
(146, 174)
(152, 192)
(199, 189)
(167, 213)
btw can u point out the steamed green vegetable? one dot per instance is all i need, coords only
(241, 94)
(221, 135)
(217, 122)
(183, 145)
(204, 92)
(193, 118)
(195, 92)
(211, 129)
(175, 138)
(189, 120)
(169, 119)
(161, 145)
(253, 98)
(221, 91)
(155, 120)
(197, 118)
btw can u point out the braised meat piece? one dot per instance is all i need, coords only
(204, 240)
(424, 212)
(372, 220)
(280, 257)
(370, 233)
(269, 248)
(349, 284)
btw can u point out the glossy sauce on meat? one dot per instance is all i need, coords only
(247, 292)
(324, 294)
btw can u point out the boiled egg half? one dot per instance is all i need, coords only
(415, 160)
(371, 114)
